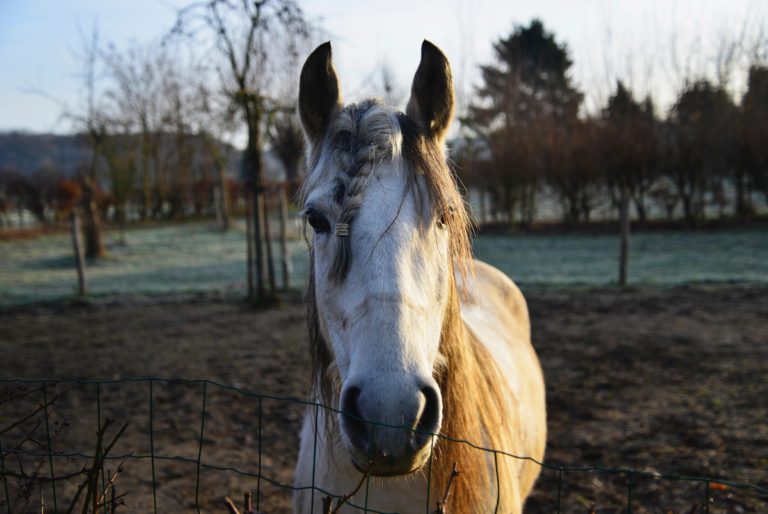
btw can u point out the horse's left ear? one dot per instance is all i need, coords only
(432, 103)
(319, 92)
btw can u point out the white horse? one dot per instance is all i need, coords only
(407, 332)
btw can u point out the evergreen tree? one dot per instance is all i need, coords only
(704, 119)
(629, 147)
(525, 110)
(755, 132)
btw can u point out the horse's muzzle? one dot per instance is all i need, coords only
(387, 428)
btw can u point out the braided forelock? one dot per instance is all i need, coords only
(362, 136)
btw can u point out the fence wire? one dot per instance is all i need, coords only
(45, 450)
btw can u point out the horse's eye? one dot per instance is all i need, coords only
(319, 223)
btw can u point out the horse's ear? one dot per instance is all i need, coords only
(431, 103)
(319, 94)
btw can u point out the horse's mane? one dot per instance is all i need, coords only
(361, 136)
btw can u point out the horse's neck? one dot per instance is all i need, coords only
(473, 393)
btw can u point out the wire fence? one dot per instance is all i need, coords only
(51, 429)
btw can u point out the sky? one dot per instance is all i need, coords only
(631, 39)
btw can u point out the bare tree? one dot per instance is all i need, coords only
(248, 36)
(287, 140)
(91, 124)
(135, 99)
(215, 119)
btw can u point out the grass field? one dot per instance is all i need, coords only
(196, 258)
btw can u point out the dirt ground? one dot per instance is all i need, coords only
(671, 381)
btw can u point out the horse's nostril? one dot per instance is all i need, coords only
(353, 420)
(430, 417)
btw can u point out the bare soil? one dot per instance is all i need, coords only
(671, 381)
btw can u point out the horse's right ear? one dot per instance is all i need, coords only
(432, 100)
(319, 93)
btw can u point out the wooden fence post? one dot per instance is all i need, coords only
(82, 285)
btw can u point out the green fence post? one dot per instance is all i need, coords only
(152, 443)
(314, 462)
(706, 496)
(498, 482)
(429, 471)
(370, 459)
(50, 445)
(101, 457)
(5, 479)
(258, 479)
(200, 449)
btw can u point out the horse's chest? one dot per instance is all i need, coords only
(403, 495)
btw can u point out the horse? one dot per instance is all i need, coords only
(427, 391)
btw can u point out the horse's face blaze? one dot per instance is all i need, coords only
(383, 320)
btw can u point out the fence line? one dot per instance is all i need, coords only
(631, 475)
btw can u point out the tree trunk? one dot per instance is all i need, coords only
(528, 209)
(268, 246)
(255, 179)
(82, 286)
(284, 237)
(688, 210)
(572, 210)
(510, 201)
(258, 254)
(223, 207)
(120, 218)
(742, 210)
(701, 204)
(146, 186)
(94, 245)
(639, 201)
(624, 224)
(249, 240)
(586, 208)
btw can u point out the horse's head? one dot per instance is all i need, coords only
(389, 225)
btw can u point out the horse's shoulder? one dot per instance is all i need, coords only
(493, 292)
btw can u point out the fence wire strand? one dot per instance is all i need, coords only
(630, 474)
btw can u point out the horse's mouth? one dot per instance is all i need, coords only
(391, 467)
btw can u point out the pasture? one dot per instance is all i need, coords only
(659, 380)
(148, 263)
